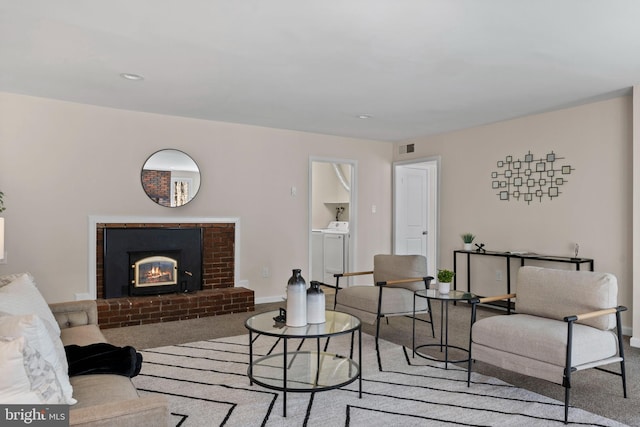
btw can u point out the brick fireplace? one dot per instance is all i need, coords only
(218, 295)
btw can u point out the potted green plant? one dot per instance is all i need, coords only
(444, 280)
(467, 238)
(1, 202)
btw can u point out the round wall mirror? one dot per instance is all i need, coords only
(170, 178)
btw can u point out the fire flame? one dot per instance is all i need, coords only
(157, 274)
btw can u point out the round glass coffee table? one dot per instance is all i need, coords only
(304, 370)
(445, 299)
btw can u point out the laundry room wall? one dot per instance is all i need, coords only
(328, 193)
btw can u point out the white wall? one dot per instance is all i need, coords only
(61, 162)
(594, 208)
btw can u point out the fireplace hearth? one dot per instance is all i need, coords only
(219, 293)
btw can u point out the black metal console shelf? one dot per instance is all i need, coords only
(509, 256)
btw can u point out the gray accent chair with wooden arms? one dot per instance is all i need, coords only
(396, 278)
(564, 323)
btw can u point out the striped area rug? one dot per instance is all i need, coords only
(206, 384)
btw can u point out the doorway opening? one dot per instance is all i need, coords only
(415, 209)
(332, 217)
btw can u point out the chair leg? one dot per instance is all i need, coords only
(567, 389)
(621, 352)
(433, 332)
(377, 347)
(566, 381)
(378, 316)
(624, 378)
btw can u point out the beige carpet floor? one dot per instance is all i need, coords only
(592, 390)
(206, 385)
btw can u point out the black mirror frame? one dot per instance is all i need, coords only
(155, 185)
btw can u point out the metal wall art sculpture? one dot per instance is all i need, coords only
(529, 178)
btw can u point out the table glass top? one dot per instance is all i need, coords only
(306, 371)
(336, 323)
(450, 296)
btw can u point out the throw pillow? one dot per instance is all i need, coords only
(8, 278)
(15, 386)
(22, 297)
(35, 383)
(34, 330)
(42, 376)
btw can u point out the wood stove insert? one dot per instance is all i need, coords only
(152, 261)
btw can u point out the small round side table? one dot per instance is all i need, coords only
(445, 299)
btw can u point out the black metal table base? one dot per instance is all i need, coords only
(289, 356)
(444, 333)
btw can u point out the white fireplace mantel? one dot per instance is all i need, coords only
(94, 220)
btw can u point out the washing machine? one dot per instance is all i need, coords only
(330, 248)
(317, 255)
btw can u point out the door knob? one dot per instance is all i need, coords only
(424, 233)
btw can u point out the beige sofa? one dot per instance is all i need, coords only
(103, 400)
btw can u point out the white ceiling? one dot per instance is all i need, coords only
(417, 67)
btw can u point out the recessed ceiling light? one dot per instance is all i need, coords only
(364, 116)
(130, 76)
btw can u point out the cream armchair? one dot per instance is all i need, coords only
(396, 278)
(565, 323)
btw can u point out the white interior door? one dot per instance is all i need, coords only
(411, 212)
(415, 210)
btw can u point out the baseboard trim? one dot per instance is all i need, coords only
(265, 300)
